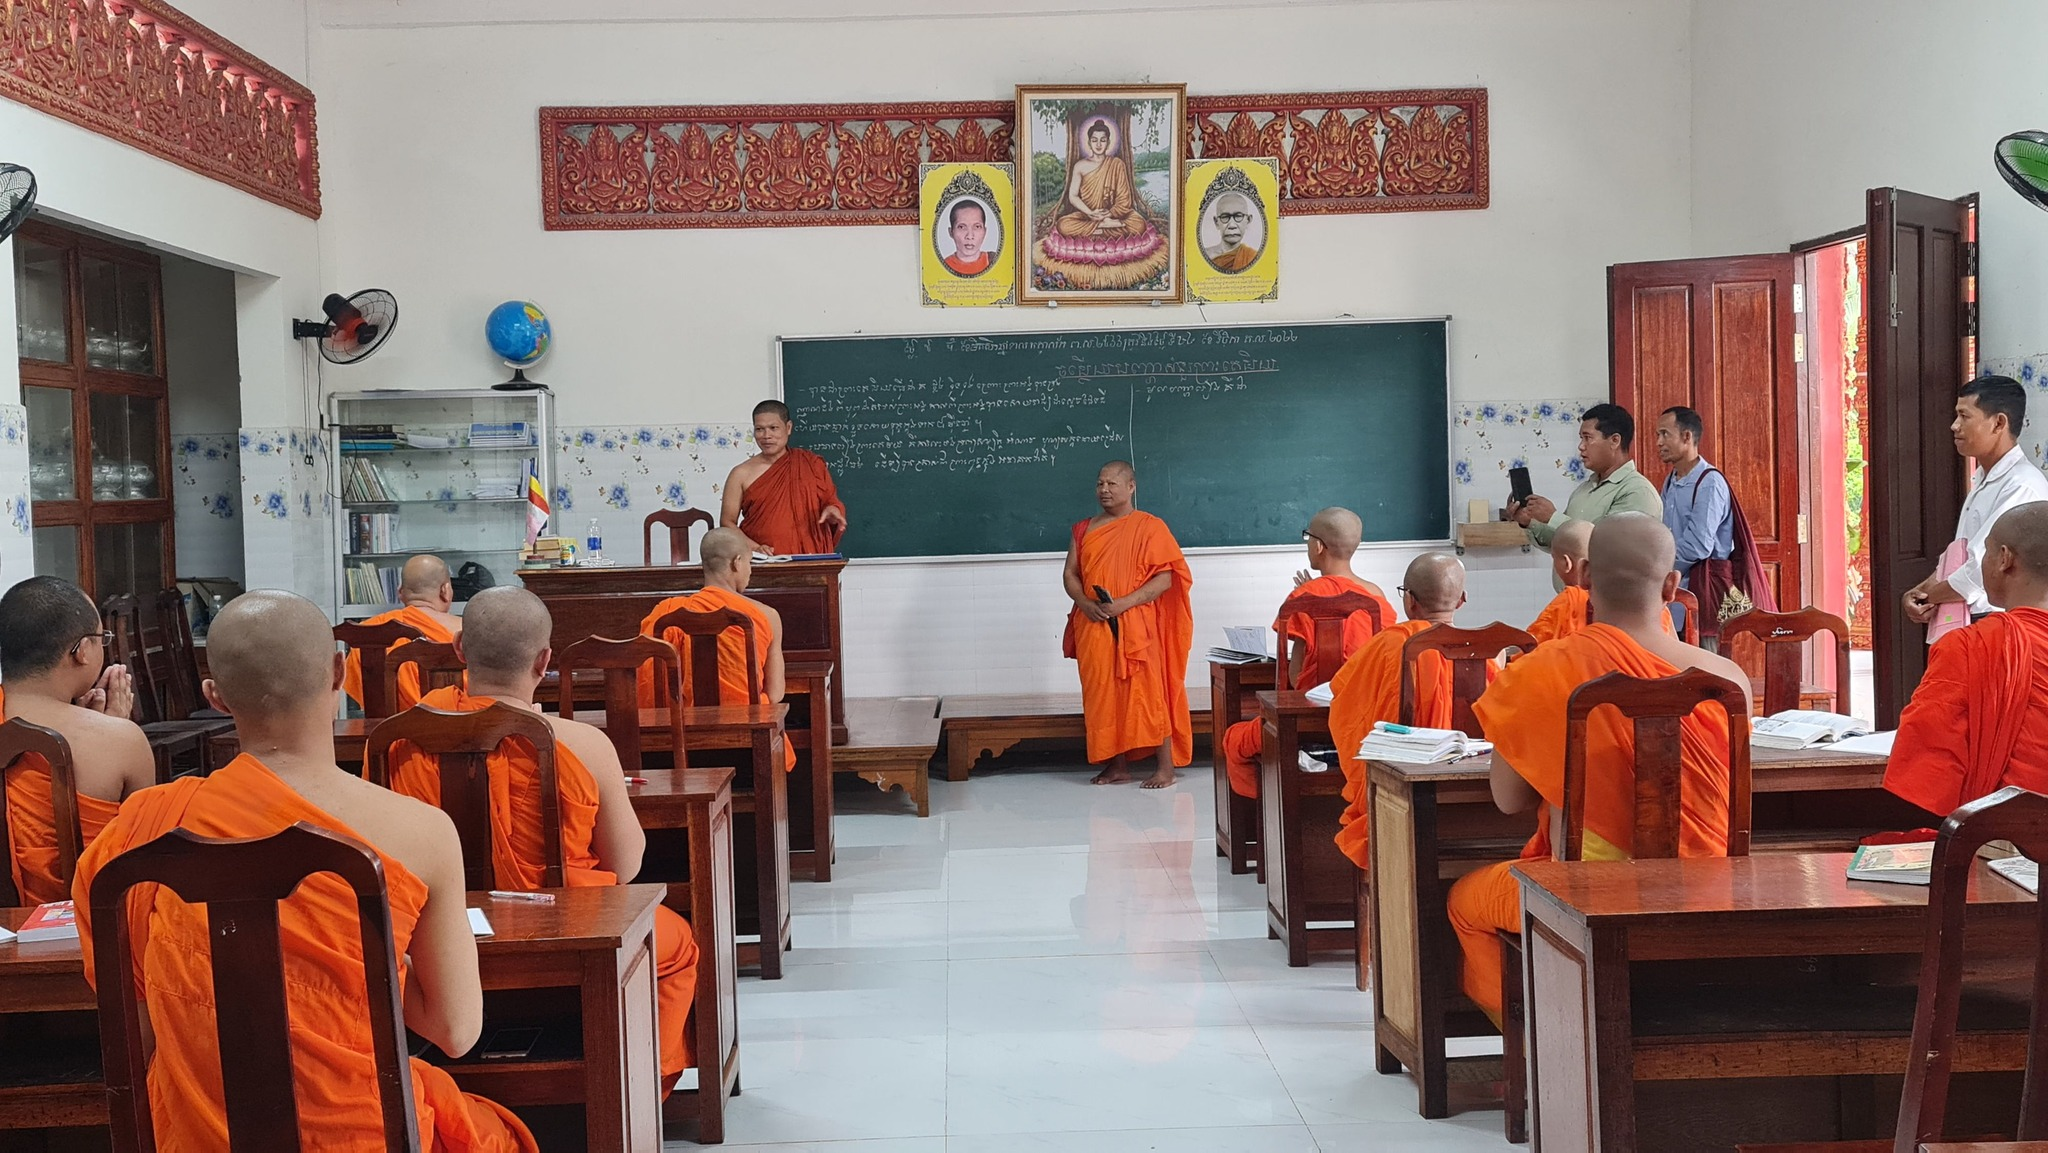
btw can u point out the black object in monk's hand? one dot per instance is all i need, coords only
(1102, 596)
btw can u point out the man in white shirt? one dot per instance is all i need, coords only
(1989, 414)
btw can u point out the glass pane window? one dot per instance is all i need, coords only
(124, 447)
(51, 456)
(39, 305)
(136, 328)
(127, 558)
(99, 284)
(57, 551)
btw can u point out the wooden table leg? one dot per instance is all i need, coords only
(621, 1110)
(821, 782)
(715, 1011)
(1221, 677)
(771, 849)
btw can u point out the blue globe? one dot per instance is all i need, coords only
(518, 332)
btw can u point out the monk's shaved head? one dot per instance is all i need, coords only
(423, 575)
(1339, 529)
(504, 630)
(271, 654)
(2024, 530)
(1437, 582)
(1574, 540)
(1121, 468)
(722, 546)
(1630, 556)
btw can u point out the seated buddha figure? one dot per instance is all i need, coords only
(1101, 198)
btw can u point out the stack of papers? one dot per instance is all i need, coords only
(1322, 695)
(1413, 746)
(428, 440)
(2022, 871)
(497, 488)
(1242, 645)
(1803, 729)
(508, 434)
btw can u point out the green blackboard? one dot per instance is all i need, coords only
(978, 444)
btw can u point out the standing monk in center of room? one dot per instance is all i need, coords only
(783, 498)
(1132, 627)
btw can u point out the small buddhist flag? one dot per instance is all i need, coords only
(536, 504)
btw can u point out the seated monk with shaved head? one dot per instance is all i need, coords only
(276, 672)
(1979, 720)
(1630, 563)
(1332, 538)
(53, 673)
(504, 645)
(1367, 690)
(727, 556)
(425, 594)
(1570, 610)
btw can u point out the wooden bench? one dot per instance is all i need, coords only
(890, 743)
(975, 725)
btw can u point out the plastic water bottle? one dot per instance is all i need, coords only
(594, 539)
(213, 610)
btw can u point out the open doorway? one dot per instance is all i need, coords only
(1834, 387)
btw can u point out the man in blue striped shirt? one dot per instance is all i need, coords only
(1699, 509)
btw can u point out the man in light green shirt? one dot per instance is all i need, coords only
(1606, 432)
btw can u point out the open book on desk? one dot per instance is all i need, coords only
(1803, 729)
(1413, 746)
(1242, 645)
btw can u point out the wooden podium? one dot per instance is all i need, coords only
(611, 602)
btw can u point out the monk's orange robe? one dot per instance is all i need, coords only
(1236, 260)
(780, 509)
(1977, 722)
(1366, 691)
(1523, 713)
(1134, 694)
(518, 857)
(1570, 612)
(32, 826)
(733, 656)
(431, 629)
(1241, 741)
(975, 267)
(332, 1066)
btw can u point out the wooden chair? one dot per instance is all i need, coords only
(19, 738)
(438, 663)
(1328, 615)
(182, 694)
(1782, 636)
(461, 744)
(678, 522)
(172, 740)
(1656, 707)
(702, 631)
(241, 883)
(621, 662)
(368, 643)
(1684, 599)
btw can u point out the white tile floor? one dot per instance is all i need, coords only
(1044, 965)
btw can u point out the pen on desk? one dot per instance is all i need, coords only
(535, 898)
(636, 780)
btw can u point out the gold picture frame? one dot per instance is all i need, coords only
(1101, 170)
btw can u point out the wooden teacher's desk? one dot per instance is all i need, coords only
(598, 941)
(1589, 925)
(1433, 823)
(611, 602)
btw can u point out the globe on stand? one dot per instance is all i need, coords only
(519, 332)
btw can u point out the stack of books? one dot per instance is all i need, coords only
(1242, 645)
(506, 434)
(1413, 746)
(367, 437)
(361, 482)
(544, 552)
(370, 584)
(372, 531)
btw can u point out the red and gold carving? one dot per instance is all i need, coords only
(768, 165)
(144, 73)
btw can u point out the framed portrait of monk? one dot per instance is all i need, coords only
(1100, 176)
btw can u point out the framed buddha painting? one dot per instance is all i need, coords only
(1100, 174)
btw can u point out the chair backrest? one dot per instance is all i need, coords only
(1784, 636)
(438, 663)
(621, 662)
(1328, 616)
(121, 614)
(678, 522)
(241, 883)
(461, 745)
(18, 738)
(2010, 814)
(182, 695)
(1684, 599)
(1469, 651)
(1656, 706)
(701, 632)
(368, 643)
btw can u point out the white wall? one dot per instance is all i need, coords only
(1799, 106)
(1590, 116)
(274, 31)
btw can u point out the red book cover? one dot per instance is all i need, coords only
(56, 921)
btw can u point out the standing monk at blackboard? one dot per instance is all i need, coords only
(1130, 630)
(784, 498)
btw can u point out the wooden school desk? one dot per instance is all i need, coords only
(611, 602)
(1433, 823)
(1230, 700)
(1307, 878)
(598, 941)
(810, 791)
(1588, 924)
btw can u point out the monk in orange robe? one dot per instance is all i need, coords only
(1333, 537)
(1572, 609)
(1132, 627)
(275, 670)
(728, 561)
(1979, 720)
(783, 497)
(504, 644)
(426, 593)
(1523, 713)
(52, 651)
(1367, 690)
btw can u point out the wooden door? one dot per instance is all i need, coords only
(1716, 335)
(1922, 316)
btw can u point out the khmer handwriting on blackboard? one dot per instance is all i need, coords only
(989, 443)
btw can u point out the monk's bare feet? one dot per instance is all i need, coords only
(1159, 780)
(1113, 775)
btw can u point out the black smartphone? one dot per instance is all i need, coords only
(510, 1044)
(1102, 597)
(1519, 488)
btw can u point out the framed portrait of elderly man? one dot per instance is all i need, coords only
(1233, 229)
(966, 257)
(1100, 170)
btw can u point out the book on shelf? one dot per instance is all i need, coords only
(429, 440)
(56, 921)
(1803, 729)
(361, 482)
(500, 434)
(1410, 745)
(372, 532)
(372, 584)
(1908, 864)
(1242, 645)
